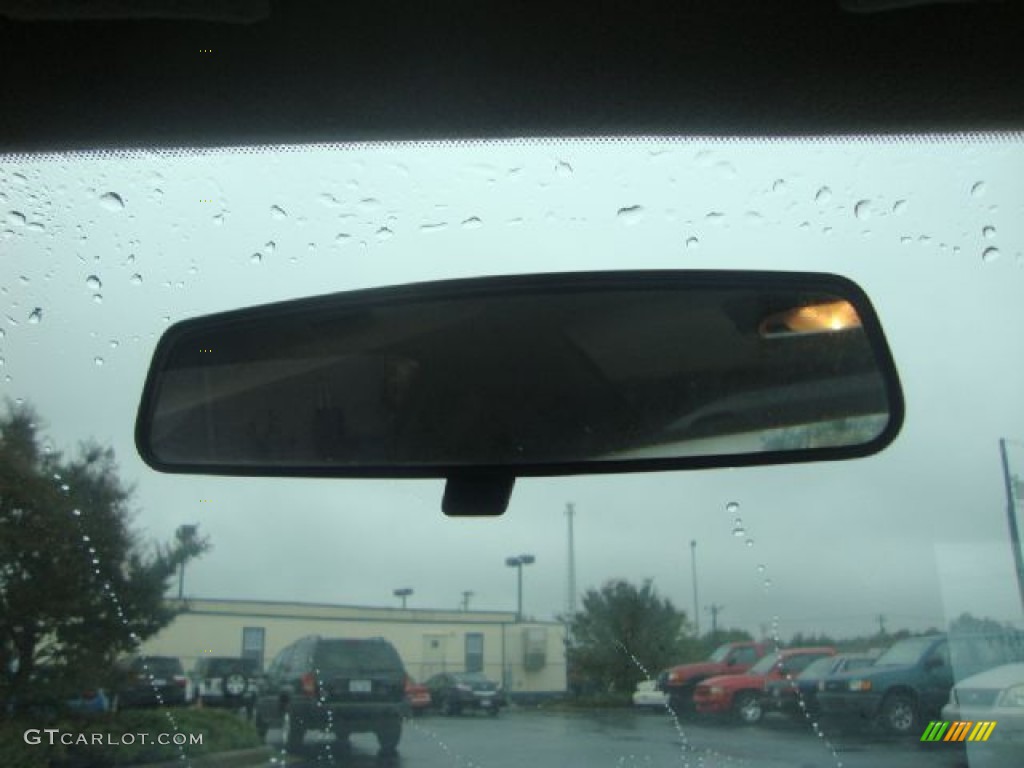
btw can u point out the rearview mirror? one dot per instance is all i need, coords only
(484, 380)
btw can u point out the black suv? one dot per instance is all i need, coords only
(341, 685)
(150, 681)
(225, 681)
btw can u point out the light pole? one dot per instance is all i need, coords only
(518, 563)
(403, 593)
(1013, 485)
(186, 535)
(696, 606)
(465, 599)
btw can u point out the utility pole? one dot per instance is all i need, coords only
(714, 610)
(465, 599)
(1011, 517)
(696, 605)
(881, 625)
(570, 511)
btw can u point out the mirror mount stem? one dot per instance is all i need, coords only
(477, 494)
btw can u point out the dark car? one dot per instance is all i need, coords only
(455, 692)
(150, 681)
(799, 695)
(225, 681)
(912, 680)
(341, 685)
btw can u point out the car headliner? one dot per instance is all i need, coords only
(329, 71)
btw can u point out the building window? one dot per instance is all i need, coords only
(474, 652)
(252, 644)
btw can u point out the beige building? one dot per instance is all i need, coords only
(528, 657)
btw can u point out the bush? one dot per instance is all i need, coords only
(221, 732)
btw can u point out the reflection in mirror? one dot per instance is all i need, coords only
(533, 373)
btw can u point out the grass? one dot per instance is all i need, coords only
(220, 732)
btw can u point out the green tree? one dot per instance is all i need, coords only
(622, 631)
(77, 586)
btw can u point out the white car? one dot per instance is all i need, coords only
(994, 695)
(647, 695)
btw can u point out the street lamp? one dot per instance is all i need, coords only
(696, 607)
(186, 535)
(518, 563)
(403, 593)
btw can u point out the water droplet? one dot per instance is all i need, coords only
(630, 215)
(761, 568)
(16, 217)
(563, 169)
(899, 206)
(989, 232)
(136, 279)
(754, 217)
(36, 315)
(472, 223)
(98, 361)
(218, 219)
(692, 242)
(256, 258)
(428, 228)
(278, 213)
(767, 583)
(193, 270)
(823, 195)
(732, 507)
(384, 233)
(750, 542)
(779, 185)
(36, 226)
(65, 487)
(270, 246)
(112, 201)
(978, 189)
(76, 512)
(114, 343)
(989, 255)
(715, 217)
(862, 210)
(93, 282)
(97, 298)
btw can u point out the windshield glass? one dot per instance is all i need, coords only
(720, 653)
(818, 668)
(587, 584)
(906, 652)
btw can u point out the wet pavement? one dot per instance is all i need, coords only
(623, 739)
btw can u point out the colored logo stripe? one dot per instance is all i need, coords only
(934, 730)
(943, 730)
(982, 731)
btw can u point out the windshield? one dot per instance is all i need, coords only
(906, 652)
(587, 584)
(818, 668)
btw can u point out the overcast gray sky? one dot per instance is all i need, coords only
(917, 533)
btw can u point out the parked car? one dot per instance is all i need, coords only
(912, 680)
(743, 695)
(150, 681)
(680, 681)
(800, 695)
(994, 695)
(454, 692)
(417, 696)
(226, 681)
(647, 695)
(342, 685)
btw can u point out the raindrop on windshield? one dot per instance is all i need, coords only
(472, 223)
(93, 282)
(16, 217)
(256, 258)
(278, 213)
(750, 542)
(114, 343)
(899, 206)
(989, 232)
(136, 279)
(384, 233)
(218, 219)
(989, 255)
(761, 568)
(862, 210)
(112, 201)
(732, 507)
(823, 195)
(779, 185)
(98, 361)
(978, 189)
(270, 246)
(563, 169)
(692, 242)
(630, 214)
(97, 298)
(738, 529)
(36, 315)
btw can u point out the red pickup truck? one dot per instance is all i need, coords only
(730, 659)
(743, 695)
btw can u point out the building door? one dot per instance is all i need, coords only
(474, 652)
(252, 644)
(433, 658)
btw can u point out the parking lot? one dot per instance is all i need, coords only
(621, 739)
